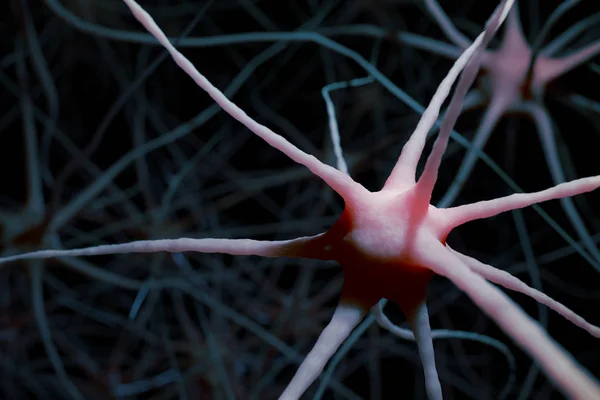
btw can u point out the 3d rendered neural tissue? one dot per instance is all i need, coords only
(300, 199)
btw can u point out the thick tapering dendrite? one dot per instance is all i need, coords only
(305, 247)
(508, 281)
(496, 108)
(425, 336)
(391, 242)
(338, 181)
(419, 322)
(562, 369)
(488, 208)
(516, 78)
(403, 174)
(344, 320)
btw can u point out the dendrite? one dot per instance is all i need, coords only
(391, 242)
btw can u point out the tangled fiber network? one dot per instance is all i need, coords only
(313, 163)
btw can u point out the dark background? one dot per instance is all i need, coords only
(82, 90)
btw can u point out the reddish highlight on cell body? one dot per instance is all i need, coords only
(389, 243)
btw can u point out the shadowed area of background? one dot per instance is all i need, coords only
(104, 140)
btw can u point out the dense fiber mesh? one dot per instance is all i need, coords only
(105, 140)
